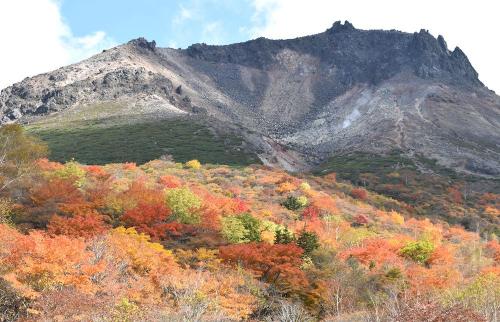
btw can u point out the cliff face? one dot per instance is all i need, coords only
(297, 101)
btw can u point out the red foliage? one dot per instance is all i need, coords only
(238, 206)
(81, 225)
(310, 213)
(424, 280)
(96, 170)
(493, 247)
(210, 218)
(141, 193)
(216, 206)
(169, 181)
(46, 165)
(57, 196)
(361, 220)
(129, 166)
(176, 230)
(442, 256)
(148, 218)
(324, 203)
(276, 264)
(359, 193)
(455, 195)
(223, 205)
(376, 251)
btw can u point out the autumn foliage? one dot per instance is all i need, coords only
(274, 264)
(183, 242)
(359, 193)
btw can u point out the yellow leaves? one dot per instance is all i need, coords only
(125, 310)
(236, 305)
(397, 218)
(38, 262)
(6, 207)
(193, 164)
(184, 205)
(227, 291)
(492, 211)
(71, 170)
(286, 187)
(394, 175)
(18, 153)
(354, 236)
(266, 213)
(202, 258)
(139, 250)
(267, 236)
(304, 186)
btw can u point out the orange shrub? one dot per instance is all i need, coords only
(81, 225)
(359, 193)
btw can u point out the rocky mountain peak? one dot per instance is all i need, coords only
(345, 89)
(339, 27)
(141, 42)
(431, 58)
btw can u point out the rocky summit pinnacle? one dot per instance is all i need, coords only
(296, 101)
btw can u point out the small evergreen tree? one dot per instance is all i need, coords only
(294, 203)
(283, 236)
(308, 241)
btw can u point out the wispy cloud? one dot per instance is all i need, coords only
(183, 15)
(36, 40)
(212, 32)
(194, 20)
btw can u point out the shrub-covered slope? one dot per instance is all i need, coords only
(172, 241)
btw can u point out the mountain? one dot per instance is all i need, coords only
(293, 103)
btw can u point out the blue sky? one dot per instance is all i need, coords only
(170, 23)
(41, 35)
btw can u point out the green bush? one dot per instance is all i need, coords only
(308, 241)
(72, 170)
(295, 203)
(184, 205)
(241, 229)
(283, 236)
(233, 230)
(419, 251)
(252, 225)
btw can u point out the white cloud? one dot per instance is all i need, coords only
(184, 14)
(212, 32)
(35, 39)
(471, 25)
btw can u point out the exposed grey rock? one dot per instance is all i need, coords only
(297, 101)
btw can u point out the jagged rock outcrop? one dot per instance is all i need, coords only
(300, 100)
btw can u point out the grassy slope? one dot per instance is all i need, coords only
(140, 142)
(125, 132)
